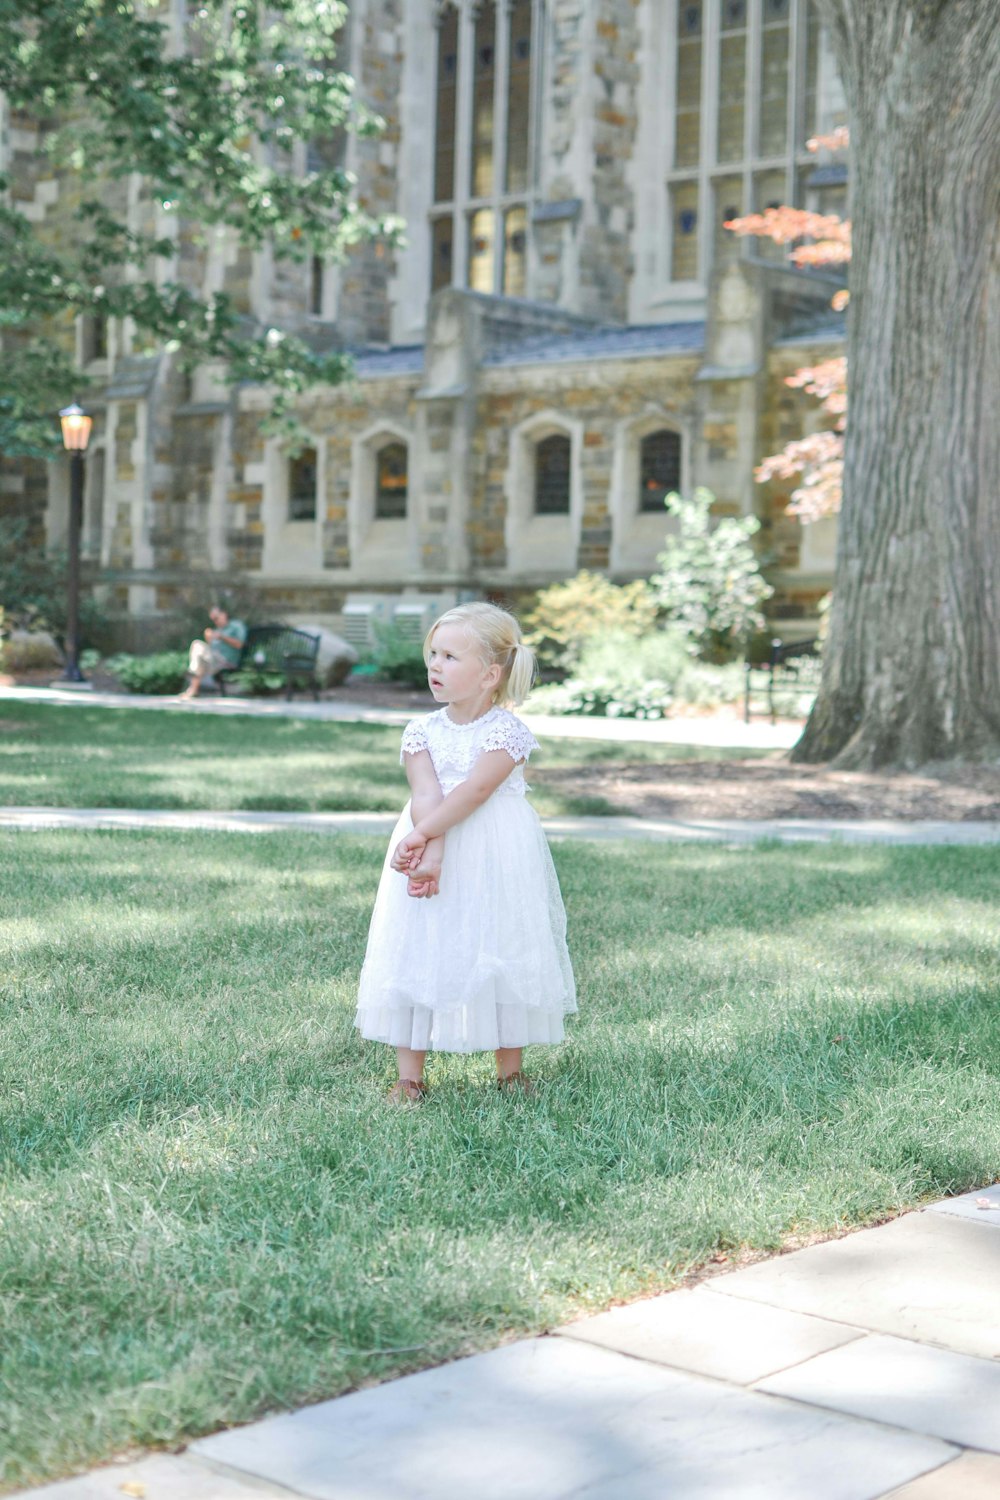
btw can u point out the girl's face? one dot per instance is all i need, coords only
(455, 669)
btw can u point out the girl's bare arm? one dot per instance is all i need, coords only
(491, 769)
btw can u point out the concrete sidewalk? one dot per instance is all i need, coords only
(657, 830)
(711, 731)
(861, 1368)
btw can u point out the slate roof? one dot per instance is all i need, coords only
(374, 364)
(822, 325)
(548, 348)
(600, 343)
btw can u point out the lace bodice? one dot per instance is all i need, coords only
(455, 748)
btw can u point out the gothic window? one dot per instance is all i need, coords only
(727, 194)
(745, 90)
(775, 37)
(684, 238)
(687, 113)
(482, 145)
(93, 337)
(316, 269)
(391, 482)
(552, 476)
(518, 97)
(732, 80)
(769, 191)
(659, 468)
(515, 242)
(484, 59)
(447, 101)
(302, 476)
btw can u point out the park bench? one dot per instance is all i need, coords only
(790, 666)
(279, 649)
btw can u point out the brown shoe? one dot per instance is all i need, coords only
(517, 1083)
(407, 1091)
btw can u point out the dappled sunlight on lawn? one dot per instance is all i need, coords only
(203, 1195)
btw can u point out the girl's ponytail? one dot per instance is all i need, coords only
(521, 675)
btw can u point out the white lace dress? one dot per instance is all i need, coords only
(484, 964)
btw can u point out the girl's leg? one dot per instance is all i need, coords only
(410, 1064)
(508, 1061)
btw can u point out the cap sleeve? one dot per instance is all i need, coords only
(507, 732)
(414, 738)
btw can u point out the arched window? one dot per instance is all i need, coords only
(391, 482)
(302, 474)
(552, 476)
(482, 177)
(659, 468)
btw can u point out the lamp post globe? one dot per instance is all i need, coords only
(76, 427)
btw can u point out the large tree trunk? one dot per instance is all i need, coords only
(912, 670)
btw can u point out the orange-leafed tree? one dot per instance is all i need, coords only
(817, 240)
(911, 671)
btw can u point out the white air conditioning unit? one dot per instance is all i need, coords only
(359, 614)
(413, 618)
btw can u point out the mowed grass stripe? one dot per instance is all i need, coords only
(52, 756)
(207, 1211)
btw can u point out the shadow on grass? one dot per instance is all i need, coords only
(208, 1211)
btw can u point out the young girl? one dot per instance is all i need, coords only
(467, 946)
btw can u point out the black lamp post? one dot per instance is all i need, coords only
(76, 427)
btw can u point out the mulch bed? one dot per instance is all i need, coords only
(767, 787)
(774, 788)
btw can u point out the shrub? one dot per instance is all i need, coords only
(622, 677)
(256, 681)
(567, 615)
(709, 584)
(397, 657)
(163, 672)
(33, 585)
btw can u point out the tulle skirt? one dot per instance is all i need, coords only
(482, 965)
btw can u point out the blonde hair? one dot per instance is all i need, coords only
(498, 636)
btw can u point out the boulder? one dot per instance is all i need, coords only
(336, 656)
(23, 650)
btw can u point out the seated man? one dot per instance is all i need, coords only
(221, 648)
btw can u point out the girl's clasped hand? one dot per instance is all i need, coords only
(423, 873)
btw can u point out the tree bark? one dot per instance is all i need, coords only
(912, 666)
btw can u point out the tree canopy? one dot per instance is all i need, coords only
(147, 128)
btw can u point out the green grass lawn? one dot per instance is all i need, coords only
(97, 757)
(207, 1212)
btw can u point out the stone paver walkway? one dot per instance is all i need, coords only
(670, 830)
(863, 1368)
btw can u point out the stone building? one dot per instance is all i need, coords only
(569, 334)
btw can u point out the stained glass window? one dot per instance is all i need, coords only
(482, 174)
(302, 472)
(774, 79)
(515, 238)
(518, 96)
(727, 193)
(441, 252)
(552, 473)
(659, 468)
(447, 103)
(483, 77)
(687, 112)
(684, 235)
(391, 482)
(732, 81)
(481, 251)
